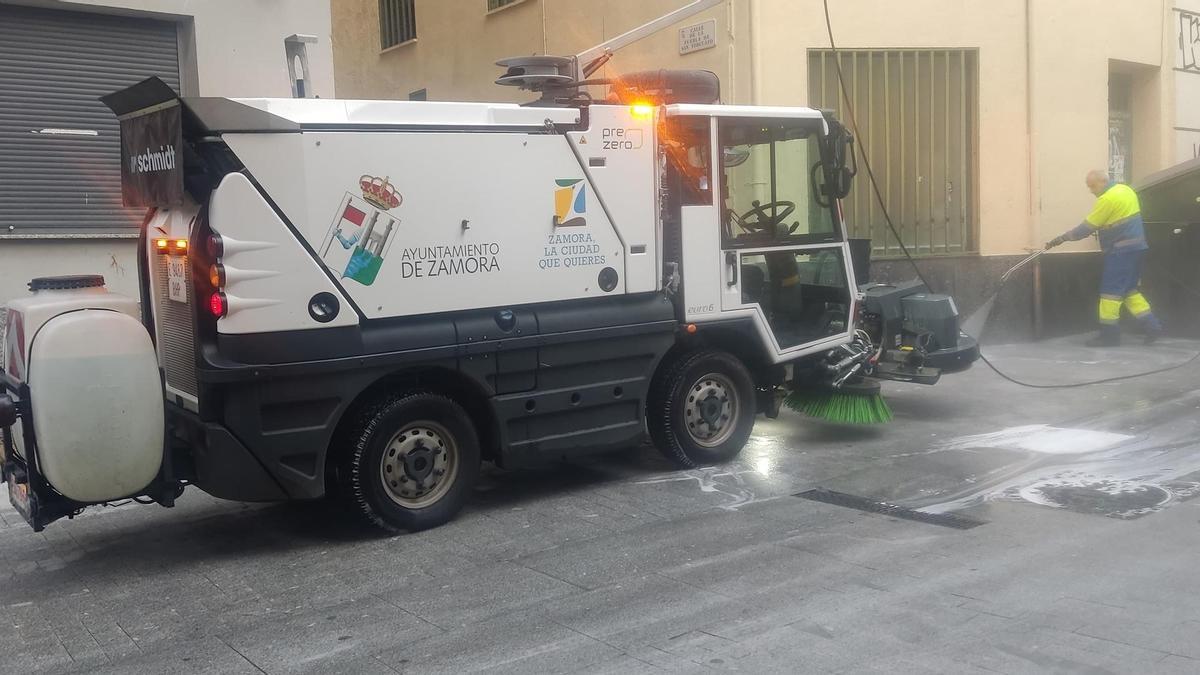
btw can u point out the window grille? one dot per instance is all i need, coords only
(916, 113)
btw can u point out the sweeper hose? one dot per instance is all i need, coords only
(986, 308)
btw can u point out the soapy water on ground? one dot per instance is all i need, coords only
(1124, 463)
(728, 481)
(1083, 470)
(1040, 438)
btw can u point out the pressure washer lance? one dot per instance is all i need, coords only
(1033, 256)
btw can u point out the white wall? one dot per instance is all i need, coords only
(24, 259)
(238, 44)
(1184, 40)
(228, 48)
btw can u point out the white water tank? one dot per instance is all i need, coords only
(94, 388)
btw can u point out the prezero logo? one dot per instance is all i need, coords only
(151, 160)
(622, 139)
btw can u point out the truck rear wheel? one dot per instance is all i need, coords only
(701, 409)
(410, 462)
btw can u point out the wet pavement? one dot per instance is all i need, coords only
(1085, 561)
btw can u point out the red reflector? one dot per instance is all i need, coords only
(216, 305)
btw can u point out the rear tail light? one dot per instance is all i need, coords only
(218, 302)
(218, 305)
(216, 247)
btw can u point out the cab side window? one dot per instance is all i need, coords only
(766, 178)
(803, 293)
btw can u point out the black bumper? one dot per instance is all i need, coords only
(219, 463)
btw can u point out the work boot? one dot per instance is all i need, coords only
(1109, 336)
(1152, 328)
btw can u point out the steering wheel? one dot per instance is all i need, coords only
(758, 219)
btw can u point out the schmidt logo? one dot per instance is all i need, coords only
(150, 161)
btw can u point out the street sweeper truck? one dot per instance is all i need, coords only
(366, 299)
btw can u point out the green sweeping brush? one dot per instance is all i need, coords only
(853, 403)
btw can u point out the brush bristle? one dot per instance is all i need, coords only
(840, 407)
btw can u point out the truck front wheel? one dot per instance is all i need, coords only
(410, 462)
(701, 408)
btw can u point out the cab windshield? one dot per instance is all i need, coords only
(767, 172)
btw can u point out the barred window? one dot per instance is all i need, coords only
(916, 113)
(397, 22)
(493, 5)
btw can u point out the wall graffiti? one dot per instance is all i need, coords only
(1118, 148)
(1189, 41)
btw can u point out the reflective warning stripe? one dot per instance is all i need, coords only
(1137, 304)
(1110, 311)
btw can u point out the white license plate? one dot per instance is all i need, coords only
(177, 278)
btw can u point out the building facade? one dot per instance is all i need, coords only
(980, 120)
(60, 203)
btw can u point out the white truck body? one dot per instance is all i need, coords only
(550, 276)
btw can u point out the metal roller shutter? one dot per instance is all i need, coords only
(60, 147)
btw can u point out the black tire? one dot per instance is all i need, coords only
(409, 436)
(688, 419)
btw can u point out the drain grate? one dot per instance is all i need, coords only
(871, 506)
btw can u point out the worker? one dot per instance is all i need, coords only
(1117, 220)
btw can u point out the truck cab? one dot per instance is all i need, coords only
(764, 243)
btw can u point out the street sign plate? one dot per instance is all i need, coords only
(698, 37)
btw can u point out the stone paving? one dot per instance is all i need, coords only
(619, 564)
